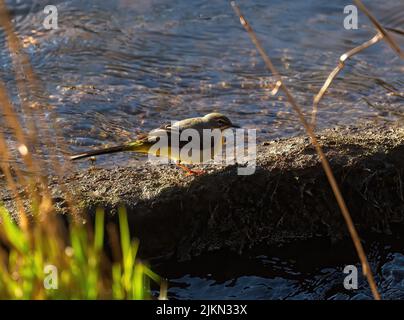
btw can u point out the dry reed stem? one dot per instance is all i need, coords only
(336, 71)
(5, 168)
(24, 143)
(12, 121)
(382, 34)
(20, 62)
(326, 166)
(28, 73)
(400, 32)
(390, 41)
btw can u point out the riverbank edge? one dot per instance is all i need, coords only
(287, 199)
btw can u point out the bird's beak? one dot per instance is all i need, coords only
(235, 126)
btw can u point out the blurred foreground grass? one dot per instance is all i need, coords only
(41, 264)
(41, 255)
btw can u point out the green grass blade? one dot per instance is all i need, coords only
(99, 230)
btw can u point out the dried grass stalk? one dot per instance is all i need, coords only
(336, 71)
(326, 166)
(382, 34)
(391, 42)
(26, 82)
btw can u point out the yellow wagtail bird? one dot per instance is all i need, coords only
(172, 131)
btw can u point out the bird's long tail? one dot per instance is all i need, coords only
(137, 146)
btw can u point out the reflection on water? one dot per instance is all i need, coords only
(308, 270)
(116, 68)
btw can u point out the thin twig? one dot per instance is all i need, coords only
(336, 71)
(5, 168)
(20, 62)
(382, 34)
(398, 31)
(24, 141)
(22, 65)
(391, 42)
(326, 166)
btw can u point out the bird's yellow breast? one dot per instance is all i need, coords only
(194, 156)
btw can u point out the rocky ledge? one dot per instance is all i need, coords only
(288, 198)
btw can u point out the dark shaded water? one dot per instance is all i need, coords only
(306, 270)
(116, 68)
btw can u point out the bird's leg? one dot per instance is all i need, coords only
(188, 171)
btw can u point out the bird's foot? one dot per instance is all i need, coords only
(191, 172)
(194, 172)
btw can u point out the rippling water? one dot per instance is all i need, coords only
(117, 68)
(308, 270)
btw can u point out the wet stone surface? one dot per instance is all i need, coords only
(287, 199)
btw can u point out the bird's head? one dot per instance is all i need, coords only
(219, 121)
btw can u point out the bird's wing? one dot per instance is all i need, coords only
(165, 126)
(153, 135)
(141, 136)
(171, 131)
